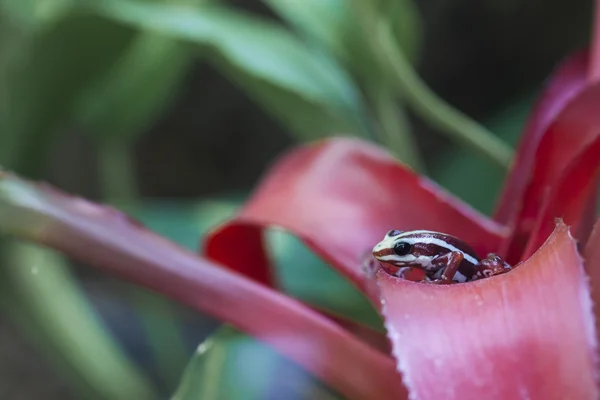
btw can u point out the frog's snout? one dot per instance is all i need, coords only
(382, 252)
(378, 247)
(385, 247)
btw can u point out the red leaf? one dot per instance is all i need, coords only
(569, 198)
(245, 254)
(592, 266)
(251, 248)
(527, 334)
(574, 129)
(340, 196)
(105, 238)
(567, 81)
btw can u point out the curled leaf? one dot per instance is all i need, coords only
(567, 81)
(569, 198)
(560, 155)
(340, 196)
(561, 128)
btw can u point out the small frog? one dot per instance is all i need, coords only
(444, 259)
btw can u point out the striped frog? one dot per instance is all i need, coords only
(444, 259)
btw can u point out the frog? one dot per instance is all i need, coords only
(444, 258)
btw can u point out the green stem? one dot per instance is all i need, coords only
(395, 130)
(161, 329)
(436, 111)
(117, 174)
(156, 313)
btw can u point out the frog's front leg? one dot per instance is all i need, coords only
(449, 263)
(492, 265)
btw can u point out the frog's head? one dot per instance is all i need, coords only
(393, 249)
(411, 248)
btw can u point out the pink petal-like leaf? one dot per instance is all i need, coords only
(107, 239)
(249, 253)
(340, 196)
(573, 130)
(569, 199)
(592, 265)
(566, 82)
(527, 334)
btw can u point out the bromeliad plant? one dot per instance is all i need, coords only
(528, 333)
(466, 340)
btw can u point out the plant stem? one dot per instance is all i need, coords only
(594, 67)
(395, 129)
(423, 100)
(156, 314)
(436, 111)
(117, 173)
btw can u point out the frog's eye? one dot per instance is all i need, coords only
(402, 248)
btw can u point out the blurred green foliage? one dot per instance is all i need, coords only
(111, 68)
(37, 100)
(39, 293)
(469, 177)
(220, 370)
(271, 64)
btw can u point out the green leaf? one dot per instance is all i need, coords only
(472, 178)
(231, 366)
(326, 21)
(308, 120)
(339, 27)
(34, 15)
(43, 79)
(346, 30)
(405, 21)
(185, 222)
(270, 63)
(434, 110)
(131, 95)
(304, 276)
(37, 282)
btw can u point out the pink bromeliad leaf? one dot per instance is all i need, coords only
(564, 124)
(569, 198)
(591, 255)
(340, 196)
(563, 156)
(568, 80)
(528, 334)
